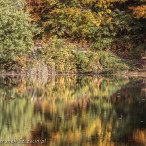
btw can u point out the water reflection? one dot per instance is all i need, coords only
(73, 110)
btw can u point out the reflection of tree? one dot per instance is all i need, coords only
(129, 104)
(16, 118)
(67, 122)
(98, 120)
(65, 88)
(77, 110)
(77, 122)
(139, 136)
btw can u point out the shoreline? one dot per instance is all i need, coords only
(129, 74)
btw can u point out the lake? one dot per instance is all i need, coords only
(73, 110)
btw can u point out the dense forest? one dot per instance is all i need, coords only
(71, 36)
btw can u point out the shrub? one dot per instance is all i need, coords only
(63, 57)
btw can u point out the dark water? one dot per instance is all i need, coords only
(72, 111)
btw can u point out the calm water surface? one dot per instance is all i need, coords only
(72, 111)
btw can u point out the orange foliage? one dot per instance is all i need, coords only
(140, 136)
(140, 11)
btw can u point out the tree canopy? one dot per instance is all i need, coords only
(103, 24)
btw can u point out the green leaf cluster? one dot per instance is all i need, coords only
(16, 33)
